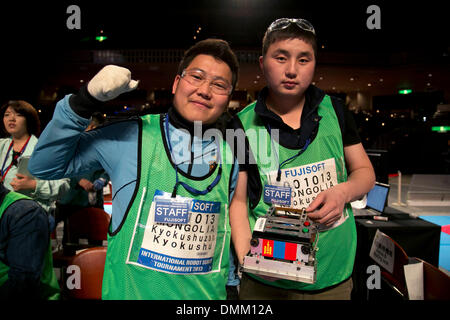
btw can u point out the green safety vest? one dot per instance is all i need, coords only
(307, 178)
(170, 261)
(49, 283)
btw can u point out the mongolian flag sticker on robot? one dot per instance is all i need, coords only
(283, 246)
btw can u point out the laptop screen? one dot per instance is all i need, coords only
(377, 197)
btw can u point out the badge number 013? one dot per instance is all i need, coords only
(307, 181)
(180, 235)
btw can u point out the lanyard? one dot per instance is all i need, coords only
(308, 141)
(4, 173)
(185, 185)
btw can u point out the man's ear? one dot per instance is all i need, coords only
(261, 61)
(175, 83)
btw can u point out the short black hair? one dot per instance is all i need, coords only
(28, 111)
(291, 32)
(217, 48)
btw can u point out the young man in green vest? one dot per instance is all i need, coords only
(26, 270)
(172, 181)
(312, 147)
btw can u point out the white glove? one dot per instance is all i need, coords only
(110, 82)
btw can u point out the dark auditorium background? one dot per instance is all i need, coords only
(395, 79)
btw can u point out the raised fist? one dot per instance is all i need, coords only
(110, 82)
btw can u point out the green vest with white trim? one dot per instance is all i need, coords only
(318, 168)
(147, 259)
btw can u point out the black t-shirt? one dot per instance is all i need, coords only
(292, 138)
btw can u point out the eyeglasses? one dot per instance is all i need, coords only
(283, 23)
(198, 77)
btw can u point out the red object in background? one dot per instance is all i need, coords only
(446, 229)
(392, 175)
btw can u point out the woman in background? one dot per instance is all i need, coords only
(21, 123)
(26, 267)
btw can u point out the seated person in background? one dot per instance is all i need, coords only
(26, 270)
(85, 191)
(21, 123)
(162, 161)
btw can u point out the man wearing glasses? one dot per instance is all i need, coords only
(172, 184)
(316, 153)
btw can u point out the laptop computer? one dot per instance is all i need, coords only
(377, 200)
